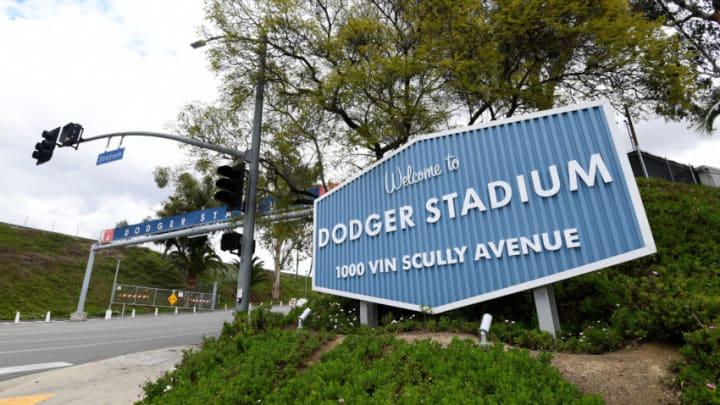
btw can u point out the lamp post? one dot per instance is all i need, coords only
(252, 156)
(114, 287)
(202, 42)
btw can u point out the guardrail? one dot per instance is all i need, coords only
(136, 295)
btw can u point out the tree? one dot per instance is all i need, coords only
(697, 24)
(191, 256)
(283, 239)
(348, 81)
(258, 274)
(539, 54)
(384, 71)
(289, 174)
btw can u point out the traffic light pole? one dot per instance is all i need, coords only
(194, 142)
(253, 158)
(243, 155)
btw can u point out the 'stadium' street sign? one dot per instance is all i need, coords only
(110, 156)
(459, 217)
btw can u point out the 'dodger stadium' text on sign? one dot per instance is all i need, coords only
(459, 217)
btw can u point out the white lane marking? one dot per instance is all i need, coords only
(41, 349)
(33, 367)
(27, 340)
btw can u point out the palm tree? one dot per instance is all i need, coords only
(192, 256)
(258, 274)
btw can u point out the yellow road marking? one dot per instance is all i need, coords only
(31, 400)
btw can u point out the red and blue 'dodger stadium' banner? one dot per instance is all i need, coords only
(162, 225)
(464, 216)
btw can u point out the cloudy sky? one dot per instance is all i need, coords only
(117, 65)
(110, 66)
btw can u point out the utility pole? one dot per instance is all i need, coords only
(253, 158)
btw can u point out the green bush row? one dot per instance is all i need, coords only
(263, 359)
(380, 369)
(243, 365)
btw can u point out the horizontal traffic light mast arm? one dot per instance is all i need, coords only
(217, 148)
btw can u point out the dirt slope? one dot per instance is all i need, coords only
(637, 375)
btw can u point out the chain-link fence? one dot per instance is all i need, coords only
(135, 295)
(661, 168)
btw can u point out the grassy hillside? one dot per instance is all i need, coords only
(43, 271)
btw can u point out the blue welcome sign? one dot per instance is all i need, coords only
(459, 217)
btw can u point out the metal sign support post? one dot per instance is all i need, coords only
(79, 314)
(369, 314)
(547, 309)
(114, 286)
(214, 296)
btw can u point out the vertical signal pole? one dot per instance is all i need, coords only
(253, 157)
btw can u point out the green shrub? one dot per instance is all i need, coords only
(334, 314)
(241, 368)
(381, 369)
(699, 372)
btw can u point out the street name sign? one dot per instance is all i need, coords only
(110, 156)
(168, 224)
(463, 216)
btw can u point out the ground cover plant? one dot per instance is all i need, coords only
(249, 359)
(370, 368)
(263, 359)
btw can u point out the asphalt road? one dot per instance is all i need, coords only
(31, 347)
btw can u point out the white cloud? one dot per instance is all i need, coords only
(676, 141)
(111, 66)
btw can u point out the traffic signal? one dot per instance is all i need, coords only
(44, 149)
(231, 185)
(70, 134)
(232, 242)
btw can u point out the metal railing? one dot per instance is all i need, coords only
(136, 295)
